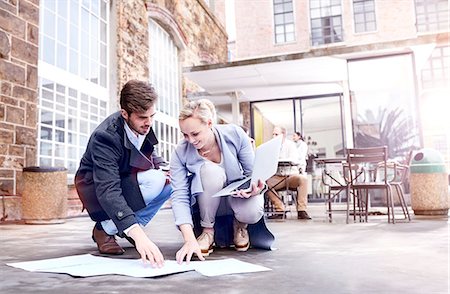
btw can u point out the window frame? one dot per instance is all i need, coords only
(283, 25)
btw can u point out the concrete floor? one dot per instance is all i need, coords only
(312, 257)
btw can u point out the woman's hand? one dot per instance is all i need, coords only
(190, 245)
(187, 251)
(146, 248)
(256, 190)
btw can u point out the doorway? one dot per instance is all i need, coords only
(318, 118)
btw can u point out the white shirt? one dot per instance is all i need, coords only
(288, 152)
(136, 140)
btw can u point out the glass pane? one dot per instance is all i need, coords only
(72, 124)
(49, 23)
(94, 27)
(62, 30)
(74, 12)
(73, 37)
(61, 60)
(279, 19)
(103, 9)
(50, 4)
(60, 99)
(83, 127)
(73, 58)
(103, 54)
(46, 149)
(47, 95)
(289, 17)
(279, 30)
(59, 136)
(370, 27)
(290, 37)
(46, 117)
(60, 120)
(43, 161)
(49, 50)
(103, 31)
(95, 6)
(290, 28)
(46, 133)
(278, 8)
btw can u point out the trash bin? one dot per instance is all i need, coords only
(428, 183)
(44, 197)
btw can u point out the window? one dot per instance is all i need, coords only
(284, 21)
(326, 21)
(431, 15)
(435, 73)
(165, 77)
(364, 16)
(73, 66)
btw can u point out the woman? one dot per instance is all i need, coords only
(209, 158)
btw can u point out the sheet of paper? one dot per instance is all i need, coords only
(88, 265)
(228, 266)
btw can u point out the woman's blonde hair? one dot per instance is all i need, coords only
(202, 109)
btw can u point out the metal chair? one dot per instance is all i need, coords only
(398, 174)
(371, 163)
(335, 182)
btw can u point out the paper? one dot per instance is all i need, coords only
(226, 266)
(88, 265)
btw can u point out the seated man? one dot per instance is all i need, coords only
(288, 177)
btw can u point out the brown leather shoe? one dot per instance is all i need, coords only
(106, 244)
(303, 215)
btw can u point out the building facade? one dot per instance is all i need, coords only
(63, 63)
(343, 72)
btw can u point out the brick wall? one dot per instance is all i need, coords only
(255, 27)
(19, 28)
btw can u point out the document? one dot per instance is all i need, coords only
(87, 265)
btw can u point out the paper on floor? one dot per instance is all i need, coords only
(88, 265)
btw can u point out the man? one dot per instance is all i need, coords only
(119, 180)
(302, 149)
(288, 176)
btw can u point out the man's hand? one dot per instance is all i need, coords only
(146, 248)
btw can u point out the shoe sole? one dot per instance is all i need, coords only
(207, 252)
(242, 248)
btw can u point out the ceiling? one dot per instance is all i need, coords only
(269, 80)
(274, 81)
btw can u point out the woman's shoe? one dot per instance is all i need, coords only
(206, 243)
(241, 239)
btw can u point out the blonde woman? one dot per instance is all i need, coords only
(209, 158)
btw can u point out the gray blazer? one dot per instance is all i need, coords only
(106, 180)
(185, 167)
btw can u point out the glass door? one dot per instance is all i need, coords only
(320, 122)
(318, 119)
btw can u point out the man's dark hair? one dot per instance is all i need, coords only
(137, 96)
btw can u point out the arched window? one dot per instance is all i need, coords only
(165, 77)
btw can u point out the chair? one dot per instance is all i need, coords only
(398, 176)
(369, 171)
(334, 180)
(288, 195)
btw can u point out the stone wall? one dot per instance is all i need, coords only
(198, 33)
(132, 42)
(19, 30)
(204, 34)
